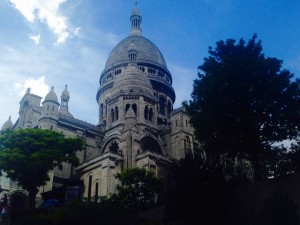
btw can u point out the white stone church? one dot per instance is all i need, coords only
(138, 126)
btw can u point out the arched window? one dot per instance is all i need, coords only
(150, 144)
(101, 112)
(169, 107)
(162, 102)
(114, 147)
(187, 147)
(151, 114)
(134, 107)
(90, 188)
(112, 114)
(96, 192)
(116, 113)
(146, 112)
(127, 107)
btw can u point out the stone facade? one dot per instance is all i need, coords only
(138, 126)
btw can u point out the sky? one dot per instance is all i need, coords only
(45, 43)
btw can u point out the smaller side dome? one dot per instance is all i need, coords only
(51, 96)
(8, 124)
(132, 81)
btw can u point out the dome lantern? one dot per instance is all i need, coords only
(136, 21)
(65, 96)
(132, 54)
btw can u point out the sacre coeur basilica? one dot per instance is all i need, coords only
(138, 126)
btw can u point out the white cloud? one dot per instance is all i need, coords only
(76, 32)
(35, 38)
(46, 12)
(37, 86)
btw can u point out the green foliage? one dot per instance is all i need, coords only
(279, 209)
(280, 162)
(27, 155)
(137, 188)
(198, 193)
(243, 102)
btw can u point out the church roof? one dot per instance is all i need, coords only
(148, 52)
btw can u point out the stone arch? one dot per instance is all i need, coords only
(19, 201)
(148, 143)
(89, 185)
(97, 189)
(151, 114)
(134, 107)
(127, 107)
(112, 115)
(110, 145)
(188, 146)
(146, 113)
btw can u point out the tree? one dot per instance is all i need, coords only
(243, 102)
(27, 155)
(137, 188)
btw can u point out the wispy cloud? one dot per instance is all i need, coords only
(46, 12)
(35, 38)
(77, 30)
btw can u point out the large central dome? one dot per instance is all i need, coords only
(150, 77)
(148, 52)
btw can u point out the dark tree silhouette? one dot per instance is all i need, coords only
(243, 102)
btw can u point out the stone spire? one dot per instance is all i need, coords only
(64, 105)
(136, 21)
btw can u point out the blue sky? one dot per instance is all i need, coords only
(58, 42)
